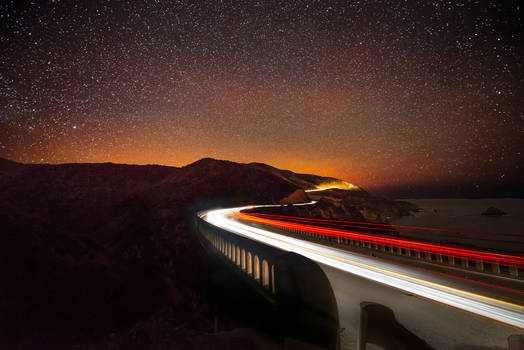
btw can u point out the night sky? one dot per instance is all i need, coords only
(398, 96)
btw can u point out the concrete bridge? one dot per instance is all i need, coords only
(338, 299)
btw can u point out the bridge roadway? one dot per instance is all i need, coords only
(445, 312)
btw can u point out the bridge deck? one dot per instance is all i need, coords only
(489, 285)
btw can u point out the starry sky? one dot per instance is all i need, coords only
(400, 97)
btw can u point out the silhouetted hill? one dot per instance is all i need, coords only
(105, 253)
(6, 163)
(306, 181)
(338, 199)
(94, 251)
(355, 205)
(8, 169)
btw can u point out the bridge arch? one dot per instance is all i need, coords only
(265, 274)
(256, 268)
(249, 263)
(243, 259)
(238, 256)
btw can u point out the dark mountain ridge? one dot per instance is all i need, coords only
(100, 253)
(103, 253)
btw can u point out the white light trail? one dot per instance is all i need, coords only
(371, 269)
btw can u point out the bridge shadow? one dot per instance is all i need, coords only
(308, 303)
(302, 315)
(378, 326)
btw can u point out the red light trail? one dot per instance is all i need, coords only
(394, 228)
(337, 222)
(475, 255)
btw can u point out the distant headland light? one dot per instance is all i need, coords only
(342, 185)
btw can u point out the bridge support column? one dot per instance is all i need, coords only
(383, 247)
(249, 263)
(495, 267)
(513, 270)
(464, 261)
(439, 258)
(428, 255)
(451, 260)
(479, 265)
(417, 254)
(238, 256)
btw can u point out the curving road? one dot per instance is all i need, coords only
(410, 281)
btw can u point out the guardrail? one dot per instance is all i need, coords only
(254, 263)
(472, 260)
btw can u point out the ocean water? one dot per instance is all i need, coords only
(502, 233)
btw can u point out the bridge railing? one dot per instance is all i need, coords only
(485, 262)
(255, 263)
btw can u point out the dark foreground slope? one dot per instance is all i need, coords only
(99, 255)
(103, 255)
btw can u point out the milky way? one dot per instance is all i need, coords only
(386, 94)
